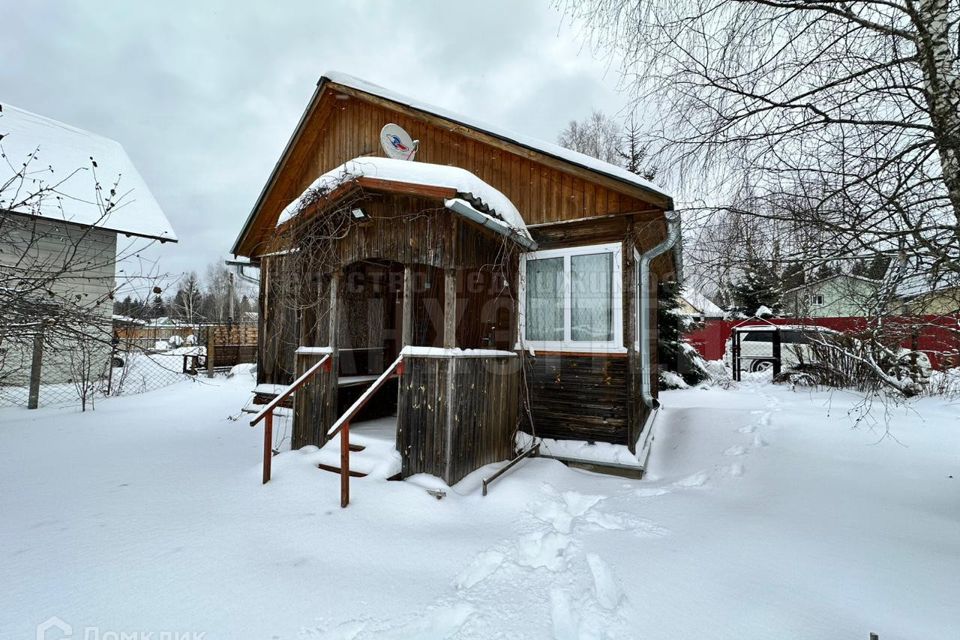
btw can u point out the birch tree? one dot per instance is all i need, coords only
(850, 107)
(597, 135)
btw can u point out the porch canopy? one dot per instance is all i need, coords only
(463, 193)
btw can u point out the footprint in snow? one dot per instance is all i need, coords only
(735, 450)
(734, 470)
(578, 503)
(562, 512)
(539, 549)
(696, 480)
(759, 442)
(651, 492)
(625, 522)
(554, 514)
(439, 622)
(564, 616)
(605, 587)
(482, 567)
(750, 428)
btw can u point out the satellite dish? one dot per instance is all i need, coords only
(397, 143)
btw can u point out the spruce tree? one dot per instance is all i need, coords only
(159, 308)
(759, 286)
(671, 354)
(668, 325)
(634, 152)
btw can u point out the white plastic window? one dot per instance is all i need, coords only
(571, 299)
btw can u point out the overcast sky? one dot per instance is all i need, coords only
(204, 95)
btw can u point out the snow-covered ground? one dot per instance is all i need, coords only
(765, 516)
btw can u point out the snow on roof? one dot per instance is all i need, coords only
(700, 302)
(63, 165)
(913, 278)
(127, 319)
(555, 150)
(421, 173)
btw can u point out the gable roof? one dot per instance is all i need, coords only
(630, 182)
(68, 163)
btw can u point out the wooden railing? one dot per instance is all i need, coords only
(266, 413)
(342, 426)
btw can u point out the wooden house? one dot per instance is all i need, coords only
(510, 282)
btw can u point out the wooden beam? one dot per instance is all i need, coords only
(592, 219)
(345, 465)
(334, 316)
(33, 400)
(450, 309)
(407, 188)
(333, 331)
(406, 314)
(267, 446)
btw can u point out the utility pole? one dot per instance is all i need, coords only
(232, 295)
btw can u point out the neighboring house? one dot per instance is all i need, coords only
(838, 296)
(489, 255)
(925, 291)
(58, 251)
(695, 305)
(941, 301)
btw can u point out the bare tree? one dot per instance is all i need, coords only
(45, 267)
(188, 299)
(598, 135)
(850, 107)
(838, 121)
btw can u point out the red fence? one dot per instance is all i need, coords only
(937, 336)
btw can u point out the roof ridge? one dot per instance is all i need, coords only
(541, 146)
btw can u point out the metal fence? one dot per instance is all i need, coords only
(756, 350)
(39, 371)
(128, 370)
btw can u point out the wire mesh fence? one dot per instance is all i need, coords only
(39, 371)
(121, 371)
(757, 350)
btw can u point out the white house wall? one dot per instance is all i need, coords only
(35, 245)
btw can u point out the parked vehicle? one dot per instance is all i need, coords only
(757, 350)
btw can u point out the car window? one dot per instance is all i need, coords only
(758, 336)
(794, 337)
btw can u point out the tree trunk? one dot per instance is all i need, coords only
(942, 84)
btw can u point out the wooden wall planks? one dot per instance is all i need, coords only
(578, 397)
(456, 414)
(341, 130)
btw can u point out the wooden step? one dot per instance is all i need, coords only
(355, 474)
(356, 447)
(336, 470)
